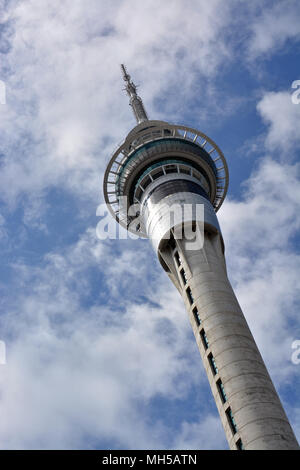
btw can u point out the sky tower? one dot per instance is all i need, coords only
(162, 166)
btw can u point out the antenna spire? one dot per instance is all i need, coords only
(135, 101)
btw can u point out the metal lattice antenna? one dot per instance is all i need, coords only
(135, 101)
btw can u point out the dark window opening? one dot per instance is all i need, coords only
(177, 258)
(158, 174)
(239, 445)
(221, 391)
(183, 276)
(185, 171)
(212, 363)
(204, 339)
(174, 186)
(138, 193)
(196, 316)
(146, 182)
(172, 243)
(231, 420)
(171, 169)
(189, 295)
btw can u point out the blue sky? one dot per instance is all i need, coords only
(99, 350)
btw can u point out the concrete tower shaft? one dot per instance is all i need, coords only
(166, 182)
(249, 407)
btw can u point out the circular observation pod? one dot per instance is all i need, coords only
(154, 153)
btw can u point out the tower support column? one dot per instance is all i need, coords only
(248, 404)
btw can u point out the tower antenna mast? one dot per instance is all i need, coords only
(135, 101)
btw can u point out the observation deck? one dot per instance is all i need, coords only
(157, 151)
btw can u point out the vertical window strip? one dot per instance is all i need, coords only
(196, 316)
(239, 445)
(183, 276)
(213, 364)
(221, 391)
(231, 420)
(177, 258)
(172, 242)
(189, 295)
(204, 339)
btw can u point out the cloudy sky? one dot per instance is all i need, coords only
(99, 351)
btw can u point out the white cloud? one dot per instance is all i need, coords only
(65, 108)
(282, 117)
(75, 370)
(273, 27)
(204, 431)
